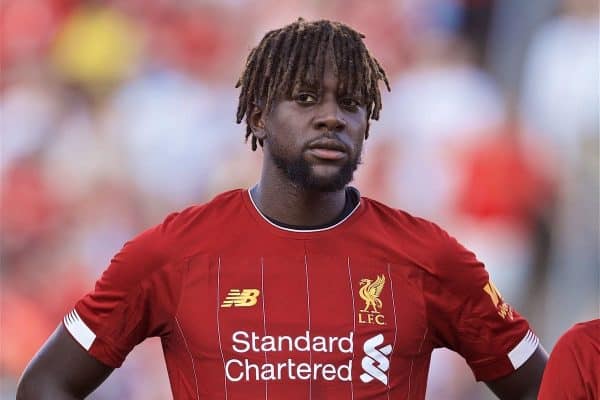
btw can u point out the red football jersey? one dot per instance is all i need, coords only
(573, 370)
(248, 309)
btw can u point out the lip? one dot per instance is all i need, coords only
(326, 154)
(331, 150)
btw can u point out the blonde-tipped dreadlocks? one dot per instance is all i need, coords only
(295, 54)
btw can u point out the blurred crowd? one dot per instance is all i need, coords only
(114, 113)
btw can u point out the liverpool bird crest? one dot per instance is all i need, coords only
(370, 291)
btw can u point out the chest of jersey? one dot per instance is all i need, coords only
(305, 325)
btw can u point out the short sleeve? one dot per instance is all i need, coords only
(135, 298)
(467, 314)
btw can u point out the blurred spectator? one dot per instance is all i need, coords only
(505, 202)
(27, 30)
(388, 38)
(560, 102)
(499, 181)
(28, 111)
(468, 19)
(96, 48)
(561, 73)
(29, 210)
(198, 39)
(81, 154)
(37, 286)
(432, 106)
(172, 130)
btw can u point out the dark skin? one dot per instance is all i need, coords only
(289, 130)
(525, 382)
(61, 369)
(295, 127)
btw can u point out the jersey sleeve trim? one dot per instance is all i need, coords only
(523, 350)
(79, 330)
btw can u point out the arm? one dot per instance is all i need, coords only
(61, 370)
(135, 298)
(523, 383)
(474, 320)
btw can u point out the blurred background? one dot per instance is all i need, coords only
(115, 113)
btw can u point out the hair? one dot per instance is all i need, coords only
(296, 55)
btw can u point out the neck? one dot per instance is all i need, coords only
(282, 200)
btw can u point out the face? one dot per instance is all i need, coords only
(315, 137)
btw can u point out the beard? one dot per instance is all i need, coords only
(299, 171)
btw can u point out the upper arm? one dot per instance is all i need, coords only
(134, 299)
(469, 316)
(524, 382)
(61, 369)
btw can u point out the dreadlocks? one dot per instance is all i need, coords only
(294, 55)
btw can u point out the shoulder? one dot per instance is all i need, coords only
(198, 213)
(589, 329)
(177, 225)
(572, 365)
(400, 222)
(581, 335)
(421, 240)
(173, 240)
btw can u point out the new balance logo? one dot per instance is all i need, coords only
(241, 298)
(375, 363)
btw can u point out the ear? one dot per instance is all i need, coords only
(256, 121)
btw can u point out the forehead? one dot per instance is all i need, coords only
(327, 80)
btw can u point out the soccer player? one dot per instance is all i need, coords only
(573, 371)
(297, 288)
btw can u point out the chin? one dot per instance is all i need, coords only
(320, 177)
(327, 183)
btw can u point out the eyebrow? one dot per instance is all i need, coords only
(314, 88)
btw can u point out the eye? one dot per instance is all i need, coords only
(305, 98)
(350, 103)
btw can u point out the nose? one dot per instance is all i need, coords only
(329, 118)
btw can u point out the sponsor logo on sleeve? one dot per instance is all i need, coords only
(369, 291)
(503, 309)
(375, 363)
(241, 298)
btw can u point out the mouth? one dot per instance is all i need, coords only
(330, 150)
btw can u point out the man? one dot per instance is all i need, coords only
(297, 288)
(573, 371)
